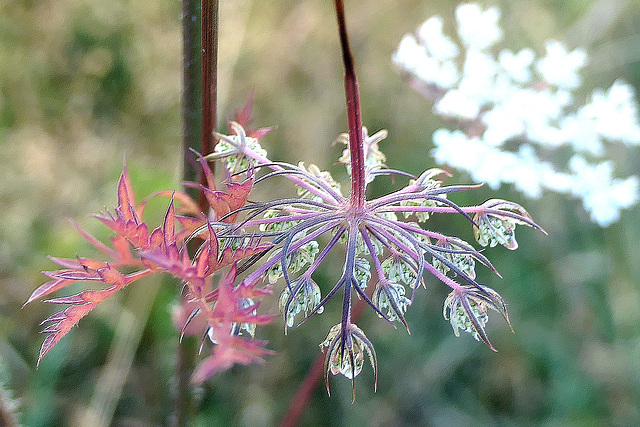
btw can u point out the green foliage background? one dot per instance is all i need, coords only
(86, 83)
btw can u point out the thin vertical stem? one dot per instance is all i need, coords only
(191, 81)
(354, 113)
(210, 11)
(209, 77)
(6, 416)
(191, 127)
(199, 115)
(300, 401)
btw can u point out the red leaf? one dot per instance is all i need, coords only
(73, 299)
(260, 132)
(244, 117)
(236, 197)
(74, 275)
(229, 309)
(49, 288)
(169, 226)
(113, 276)
(191, 224)
(156, 239)
(95, 242)
(235, 350)
(66, 262)
(126, 198)
(81, 305)
(202, 261)
(208, 173)
(71, 316)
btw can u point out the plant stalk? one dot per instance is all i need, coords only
(191, 82)
(199, 116)
(210, 12)
(356, 149)
(191, 140)
(354, 113)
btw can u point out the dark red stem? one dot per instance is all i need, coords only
(354, 113)
(305, 390)
(184, 409)
(191, 82)
(303, 395)
(210, 10)
(199, 108)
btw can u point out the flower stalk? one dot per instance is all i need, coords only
(354, 114)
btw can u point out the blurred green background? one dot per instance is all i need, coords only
(85, 84)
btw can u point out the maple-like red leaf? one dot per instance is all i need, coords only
(235, 350)
(132, 234)
(82, 303)
(143, 252)
(244, 117)
(223, 203)
(231, 349)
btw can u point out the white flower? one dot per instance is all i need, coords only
(478, 77)
(448, 146)
(579, 131)
(413, 58)
(500, 103)
(484, 163)
(438, 45)
(603, 196)
(615, 113)
(447, 75)
(560, 67)
(457, 103)
(529, 171)
(503, 123)
(517, 66)
(410, 54)
(478, 29)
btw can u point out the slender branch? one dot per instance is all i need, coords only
(210, 11)
(191, 128)
(354, 113)
(6, 415)
(305, 390)
(199, 112)
(303, 395)
(191, 80)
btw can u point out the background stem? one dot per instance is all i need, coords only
(191, 134)
(199, 116)
(191, 82)
(302, 397)
(210, 11)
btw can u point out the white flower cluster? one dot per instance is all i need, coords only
(515, 97)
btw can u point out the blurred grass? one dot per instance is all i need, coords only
(85, 83)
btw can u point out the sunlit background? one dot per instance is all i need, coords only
(88, 84)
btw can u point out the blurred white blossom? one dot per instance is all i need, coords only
(560, 67)
(478, 29)
(437, 44)
(498, 96)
